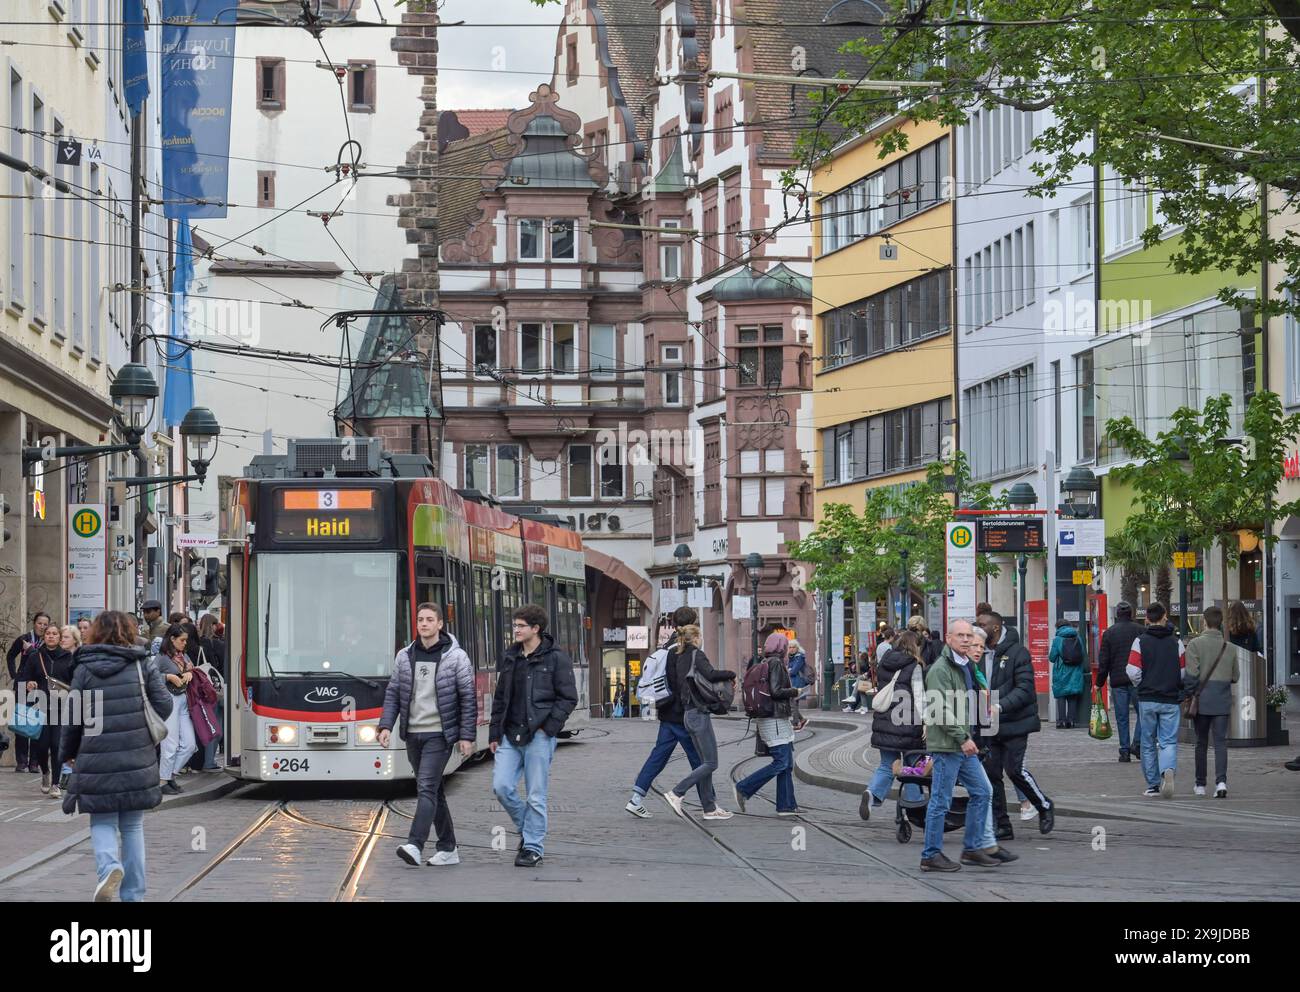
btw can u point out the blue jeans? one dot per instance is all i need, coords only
(950, 769)
(534, 760)
(670, 735)
(1125, 696)
(1159, 740)
(781, 769)
(883, 780)
(105, 829)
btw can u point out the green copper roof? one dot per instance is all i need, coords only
(779, 283)
(546, 161)
(398, 388)
(671, 178)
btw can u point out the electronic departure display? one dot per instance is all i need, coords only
(327, 515)
(995, 535)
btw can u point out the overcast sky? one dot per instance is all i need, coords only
(506, 63)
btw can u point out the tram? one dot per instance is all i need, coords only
(332, 556)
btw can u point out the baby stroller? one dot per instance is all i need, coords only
(914, 769)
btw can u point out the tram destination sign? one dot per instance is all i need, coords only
(1001, 535)
(327, 515)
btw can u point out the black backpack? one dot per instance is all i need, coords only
(716, 697)
(1072, 650)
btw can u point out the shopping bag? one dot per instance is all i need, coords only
(1099, 725)
(28, 721)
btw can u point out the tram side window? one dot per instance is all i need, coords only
(483, 639)
(430, 584)
(539, 597)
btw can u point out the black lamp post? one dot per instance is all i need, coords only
(200, 431)
(1022, 496)
(754, 568)
(1079, 488)
(132, 391)
(1182, 457)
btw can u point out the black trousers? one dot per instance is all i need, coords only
(1009, 755)
(429, 754)
(1204, 726)
(44, 750)
(22, 751)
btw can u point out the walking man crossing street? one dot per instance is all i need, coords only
(1155, 665)
(1116, 643)
(534, 696)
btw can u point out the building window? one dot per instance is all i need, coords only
(361, 87)
(672, 379)
(270, 84)
(1000, 424)
(1087, 407)
(723, 120)
(17, 205)
(59, 252)
(508, 476)
(1081, 238)
(530, 238)
(265, 189)
(38, 214)
(1056, 413)
(709, 258)
(901, 189)
(92, 236)
(603, 356)
(1126, 213)
(477, 468)
(903, 439)
(670, 252)
(564, 348)
(683, 508)
(485, 348)
(712, 356)
(663, 506)
(896, 318)
(562, 240)
(530, 347)
(611, 472)
(731, 204)
(580, 471)
(571, 60)
(712, 475)
(1291, 337)
(1003, 277)
(762, 482)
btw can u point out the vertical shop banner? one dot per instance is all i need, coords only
(198, 71)
(1038, 642)
(959, 600)
(135, 56)
(87, 561)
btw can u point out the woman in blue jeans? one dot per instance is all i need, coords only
(115, 767)
(899, 729)
(776, 732)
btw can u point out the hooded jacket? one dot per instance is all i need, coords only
(552, 692)
(116, 769)
(1067, 680)
(453, 683)
(1011, 685)
(779, 684)
(900, 727)
(1155, 665)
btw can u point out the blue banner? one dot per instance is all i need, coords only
(178, 395)
(135, 56)
(198, 70)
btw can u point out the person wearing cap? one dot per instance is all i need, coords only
(154, 623)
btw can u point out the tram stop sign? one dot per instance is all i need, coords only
(87, 523)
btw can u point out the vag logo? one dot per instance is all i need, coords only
(322, 694)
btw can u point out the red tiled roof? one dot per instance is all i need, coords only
(482, 121)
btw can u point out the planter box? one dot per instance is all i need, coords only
(1278, 735)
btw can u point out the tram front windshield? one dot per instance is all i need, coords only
(313, 614)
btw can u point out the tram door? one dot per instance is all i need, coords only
(235, 702)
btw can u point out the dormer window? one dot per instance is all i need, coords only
(535, 233)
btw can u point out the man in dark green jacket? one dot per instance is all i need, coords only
(951, 688)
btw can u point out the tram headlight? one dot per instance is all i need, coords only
(282, 734)
(367, 733)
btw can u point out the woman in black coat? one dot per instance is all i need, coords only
(899, 729)
(47, 661)
(115, 763)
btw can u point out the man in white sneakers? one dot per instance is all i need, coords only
(432, 691)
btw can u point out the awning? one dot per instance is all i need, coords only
(616, 570)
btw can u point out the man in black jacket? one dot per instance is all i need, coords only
(534, 696)
(1009, 670)
(1116, 643)
(23, 749)
(1156, 661)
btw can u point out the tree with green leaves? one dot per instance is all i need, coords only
(1160, 92)
(1200, 481)
(852, 551)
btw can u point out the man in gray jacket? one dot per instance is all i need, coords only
(1211, 670)
(432, 690)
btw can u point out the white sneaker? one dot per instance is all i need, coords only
(410, 854)
(1221, 791)
(106, 891)
(719, 814)
(1199, 790)
(444, 858)
(675, 801)
(1167, 784)
(862, 710)
(1027, 811)
(636, 809)
(57, 793)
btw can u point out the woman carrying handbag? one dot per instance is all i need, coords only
(45, 669)
(1211, 670)
(179, 745)
(115, 772)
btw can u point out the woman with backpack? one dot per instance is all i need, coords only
(899, 728)
(696, 677)
(776, 732)
(1066, 657)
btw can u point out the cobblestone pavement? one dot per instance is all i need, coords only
(303, 843)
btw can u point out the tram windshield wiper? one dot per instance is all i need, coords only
(348, 675)
(266, 640)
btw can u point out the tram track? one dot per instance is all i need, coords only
(258, 832)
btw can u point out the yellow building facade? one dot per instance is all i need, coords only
(884, 383)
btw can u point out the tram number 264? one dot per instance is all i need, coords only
(290, 765)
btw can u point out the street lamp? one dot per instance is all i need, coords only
(199, 430)
(1022, 496)
(683, 554)
(904, 577)
(1079, 488)
(132, 391)
(754, 568)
